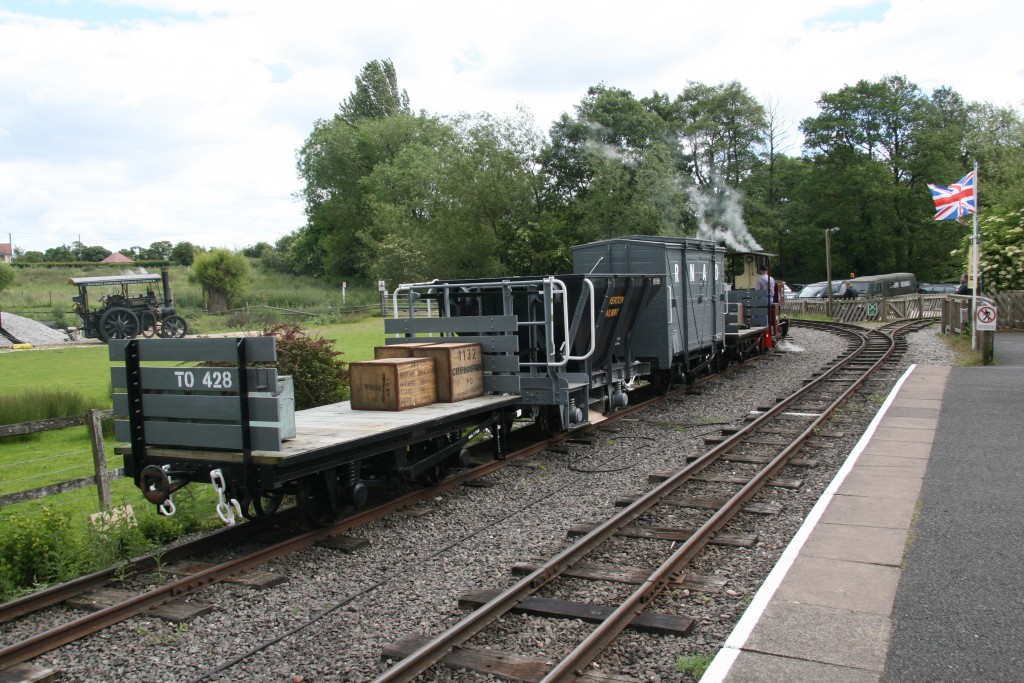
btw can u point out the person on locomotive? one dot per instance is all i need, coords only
(766, 281)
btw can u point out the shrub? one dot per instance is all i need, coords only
(39, 550)
(318, 373)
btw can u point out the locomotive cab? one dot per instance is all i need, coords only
(752, 308)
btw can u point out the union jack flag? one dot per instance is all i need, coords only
(959, 199)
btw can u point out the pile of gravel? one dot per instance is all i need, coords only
(338, 610)
(29, 331)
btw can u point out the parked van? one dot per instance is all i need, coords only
(892, 284)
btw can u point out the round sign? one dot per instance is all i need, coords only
(985, 318)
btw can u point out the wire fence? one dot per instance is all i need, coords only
(100, 476)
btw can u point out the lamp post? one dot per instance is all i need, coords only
(828, 267)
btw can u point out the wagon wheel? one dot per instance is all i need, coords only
(316, 502)
(263, 506)
(173, 327)
(118, 323)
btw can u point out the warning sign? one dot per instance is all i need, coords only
(985, 318)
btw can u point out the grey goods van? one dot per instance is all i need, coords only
(891, 284)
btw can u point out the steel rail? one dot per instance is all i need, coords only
(437, 648)
(591, 647)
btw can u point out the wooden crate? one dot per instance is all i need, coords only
(392, 383)
(458, 367)
(403, 350)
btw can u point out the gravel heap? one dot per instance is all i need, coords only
(29, 331)
(335, 614)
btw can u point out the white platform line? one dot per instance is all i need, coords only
(734, 644)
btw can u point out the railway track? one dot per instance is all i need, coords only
(188, 584)
(798, 417)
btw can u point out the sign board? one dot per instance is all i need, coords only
(381, 287)
(872, 310)
(985, 318)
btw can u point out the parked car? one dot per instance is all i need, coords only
(940, 288)
(819, 290)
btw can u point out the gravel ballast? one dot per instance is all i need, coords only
(338, 610)
(29, 331)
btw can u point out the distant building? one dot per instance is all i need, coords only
(6, 253)
(117, 257)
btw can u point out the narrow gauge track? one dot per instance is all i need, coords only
(525, 443)
(809, 407)
(57, 637)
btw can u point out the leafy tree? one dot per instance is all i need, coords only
(184, 253)
(93, 254)
(609, 171)
(31, 257)
(63, 253)
(257, 250)
(875, 147)
(223, 275)
(1002, 250)
(720, 128)
(376, 95)
(159, 251)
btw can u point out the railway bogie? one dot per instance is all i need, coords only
(558, 350)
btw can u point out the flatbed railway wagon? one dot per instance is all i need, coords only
(554, 349)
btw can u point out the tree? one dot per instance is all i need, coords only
(875, 147)
(159, 251)
(223, 275)
(376, 95)
(93, 254)
(61, 254)
(1002, 250)
(720, 129)
(184, 253)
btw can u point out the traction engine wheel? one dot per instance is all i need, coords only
(173, 327)
(118, 323)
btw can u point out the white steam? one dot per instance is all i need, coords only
(719, 212)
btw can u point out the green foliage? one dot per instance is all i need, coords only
(223, 271)
(376, 95)
(38, 551)
(6, 276)
(694, 665)
(319, 375)
(1002, 250)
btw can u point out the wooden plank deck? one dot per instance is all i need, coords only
(336, 425)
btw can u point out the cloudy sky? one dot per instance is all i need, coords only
(125, 122)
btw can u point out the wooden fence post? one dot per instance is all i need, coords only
(99, 457)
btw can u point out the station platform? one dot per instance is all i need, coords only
(907, 568)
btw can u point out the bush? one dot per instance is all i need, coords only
(39, 550)
(318, 373)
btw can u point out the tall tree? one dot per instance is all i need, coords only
(876, 140)
(376, 95)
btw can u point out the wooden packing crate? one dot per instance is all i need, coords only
(403, 350)
(392, 383)
(459, 368)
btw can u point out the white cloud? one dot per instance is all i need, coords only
(132, 122)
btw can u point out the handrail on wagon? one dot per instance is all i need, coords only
(551, 286)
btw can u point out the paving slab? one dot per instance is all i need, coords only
(912, 466)
(906, 422)
(754, 667)
(922, 436)
(854, 510)
(869, 544)
(899, 449)
(841, 584)
(824, 634)
(862, 483)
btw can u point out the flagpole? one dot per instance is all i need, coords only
(975, 266)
